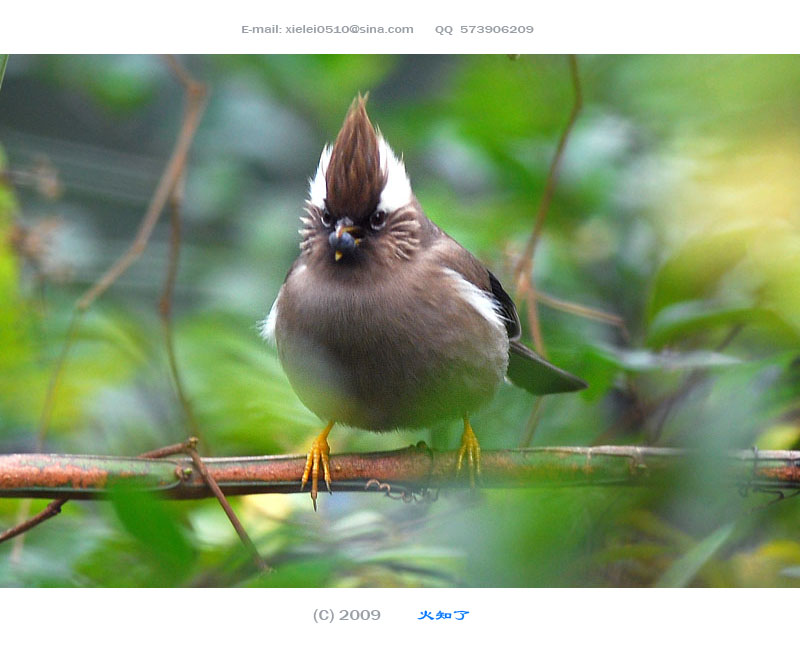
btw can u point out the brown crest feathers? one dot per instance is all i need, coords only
(354, 178)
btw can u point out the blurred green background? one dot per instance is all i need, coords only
(677, 209)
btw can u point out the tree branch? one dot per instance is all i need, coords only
(410, 470)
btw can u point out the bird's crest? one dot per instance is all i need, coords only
(354, 178)
(360, 172)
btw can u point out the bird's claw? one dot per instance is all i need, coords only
(472, 450)
(319, 454)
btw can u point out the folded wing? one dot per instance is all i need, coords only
(527, 369)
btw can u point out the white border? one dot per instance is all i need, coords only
(567, 26)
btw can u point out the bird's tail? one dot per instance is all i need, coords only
(537, 375)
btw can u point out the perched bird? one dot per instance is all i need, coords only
(384, 321)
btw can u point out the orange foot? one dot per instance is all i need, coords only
(318, 455)
(472, 450)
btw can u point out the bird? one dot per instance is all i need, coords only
(384, 321)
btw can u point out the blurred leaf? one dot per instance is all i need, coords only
(420, 559)
(771, 564)
(537, 96)
(647, 361)
(361, 524)
(150, 522)
(730, 94)
(657, 527)
(780, 436)
(683, 319)
(597, 369)
(326, 83)
(693, 271)
(638, 551)
(121, 83)
(306, 573)
(49, 560)
(18, 374)
(3, 63)
(791, 572)
(238, 388)
(684, 570)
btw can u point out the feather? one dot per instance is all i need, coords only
(537, 375)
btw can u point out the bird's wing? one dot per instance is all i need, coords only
(506, 307)
(526, 368)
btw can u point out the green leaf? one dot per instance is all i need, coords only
(304, 573)
(3, 63)
(683, 571)
(151, 523)
(685, 318)
(640, 360)
(694, 271)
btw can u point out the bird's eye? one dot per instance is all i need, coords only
(377, 220)
(326, 219)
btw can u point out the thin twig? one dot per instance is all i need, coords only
(50, 510)
(165, 310)
(186, 80)
(525, 263)
(533, 421)
(523, 271)
(195, 105)
(237, 525)
(583, 311)
(526, 289)
(55, 380)
(175, 204)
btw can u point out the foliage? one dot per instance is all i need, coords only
(677, 208)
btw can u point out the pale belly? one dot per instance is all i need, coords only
(426, 359)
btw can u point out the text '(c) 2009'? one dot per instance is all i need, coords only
(330, 615)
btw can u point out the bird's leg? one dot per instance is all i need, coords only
(318, 455)
(472, 450)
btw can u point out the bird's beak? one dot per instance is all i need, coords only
(342, 228)
(342, 239)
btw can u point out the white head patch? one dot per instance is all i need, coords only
(397, 193)
(317, 188)
(394, 196)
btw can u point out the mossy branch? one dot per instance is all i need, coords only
(408, 471)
